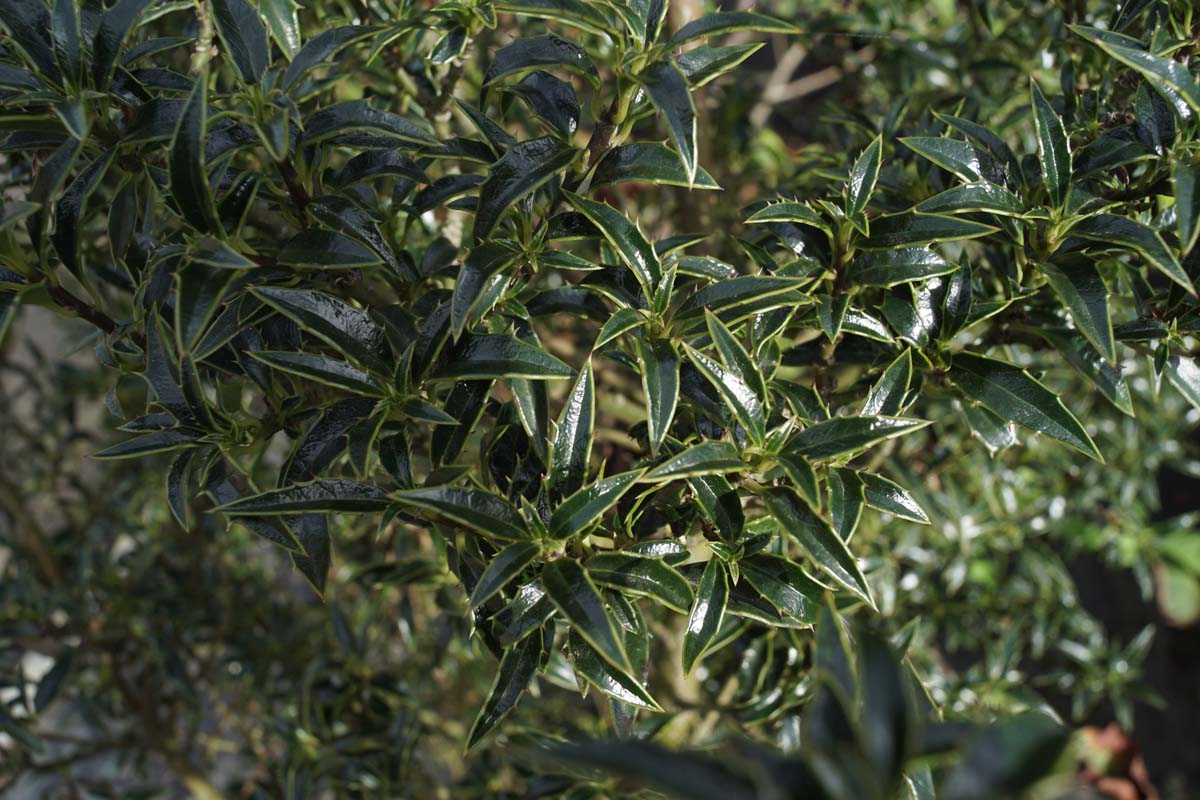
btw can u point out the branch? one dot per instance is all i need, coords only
(90, 313)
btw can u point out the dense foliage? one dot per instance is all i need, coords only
(556, 374)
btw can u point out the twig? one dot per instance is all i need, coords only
(85, 311)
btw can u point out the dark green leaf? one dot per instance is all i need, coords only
(845, 501)
(199, 290)
(522, 169)
(818, 539)
(577, 599)
(157, 442)
(1081, 355)
(720, 504)
(1184, 375)
(1131, 234)
(357, 116)
(500, 356)
(244, 37)
(789, 211)
(317, 497)
(482, 511)
(784, 585)
(890, 267)
(626, 239)
(708, 610)
(622, 321)
(1187, 204)
(733, 299)
(670, 94)
(573, 434)
(915, 230)
(517, 668)
(841, 435)
(886, 496)
(599, 673)
(1012, 394)
(728, 22)
(706, 458)
(1081, 289)
(115, 25)
(952, 155)
(972, 198)
(736, 359)
(1053, 147)
(347, 328)
(526, 55)
(887, 395)
(188, 175)
(587, 505)
(704, 63)
(322, 370)
(67, 37)
(647, 162)
(642, 575)
(861, 184)
(503, 570)
(660, 364)
(746, 406)
(1160, 72)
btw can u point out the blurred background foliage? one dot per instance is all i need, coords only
(141, 660)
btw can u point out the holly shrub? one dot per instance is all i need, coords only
(639, 418)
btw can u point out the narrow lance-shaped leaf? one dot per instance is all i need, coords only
(728, 22)
(481, 511)
(1159, 71)
(1130, 234)
(659, 363)
(321, 369)
(1187, 203)
(586, 506)
(887, 395)
(500, 356)
(845, 501)
(577, 599)
(708, 610)
(861, 184)
(706, 458)
(1053, 148)
(188, 175)
(952, 155)
(526, 55)
(244, 37)
(640, 575)
(317, 497)
(522, 169)
(503, 570)
(347, 328)
(68, 46)
(670, 94)
(626, 239)
(841, 435)
(746, 406)
(784, 585)
(647, 162)
(285, 27)
(517, 668)
(1012, 394)
(573, 435)
(1082, 290)
(817, 537)
(115, 26)
(599, 673)
(885, 495)
(735, 356)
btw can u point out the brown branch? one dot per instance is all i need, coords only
(296, 189)
(90, 313)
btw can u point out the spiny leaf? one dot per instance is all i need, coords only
(517, 668)
(670, 94)
(708, 610)
(577, 599)
(482, 511)
(317, 497)
(586, 505)
(522, 169)
(572, 445)
(1053, 147)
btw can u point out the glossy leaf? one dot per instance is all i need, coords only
(669, 92)
(1013, 395)
(890, 267)
(317, 497)
(521, 170)
(1053, 147)
(578, 600)
(1081, 289)
(1160, 71)
(244, 37)
(784, 585)
(343, 326)
(500, 356)
(659, 363)
(116, 23)
(841, 435)
(706, 458)
(974, 197)
(526, 55)
(481, 511)
(188, 174)
(818, 539)
(322, 370)
(916, 230)
(517, 668)
(573, 434)
(708, 610)
(746, 406)
(505, 568)
(601, 674)
(863, 176)
(884, 495)
(648, 162)
(640, 575)
(1130, 234)
(1187, 204)
(729, 22)
(735, 357)
(626, 239)
(587, 505)
(887, 396)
